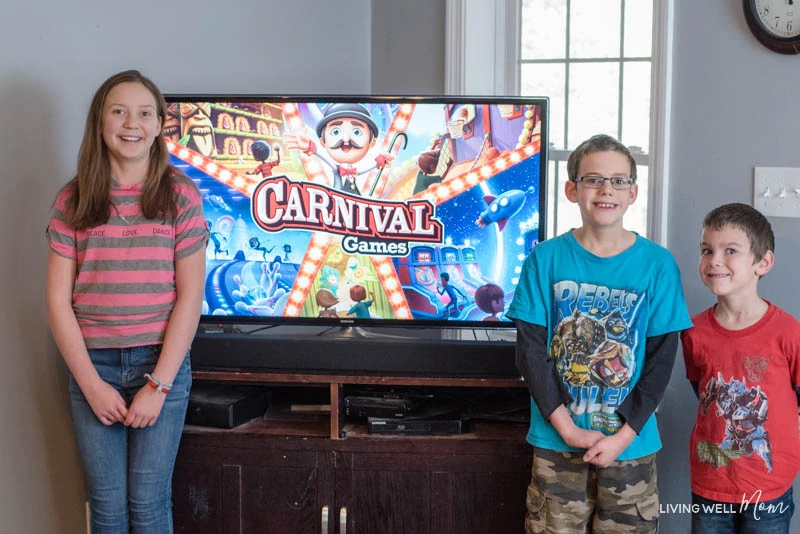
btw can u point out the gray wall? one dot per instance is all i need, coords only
(733, 108)
(408, 47)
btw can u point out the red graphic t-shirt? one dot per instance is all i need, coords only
(745, 443)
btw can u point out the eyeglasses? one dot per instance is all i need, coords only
(596, 182)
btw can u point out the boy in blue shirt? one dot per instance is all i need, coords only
(598, 311)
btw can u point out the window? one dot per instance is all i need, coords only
(592, 58)
(603, 64)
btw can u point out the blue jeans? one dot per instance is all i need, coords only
(129, 470)
(767, 517)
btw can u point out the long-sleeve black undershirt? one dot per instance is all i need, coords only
(548, 390)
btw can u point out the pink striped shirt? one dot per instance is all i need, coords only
(125, 286)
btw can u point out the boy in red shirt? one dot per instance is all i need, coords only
(743, 360)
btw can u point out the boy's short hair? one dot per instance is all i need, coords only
(358, 293)
(597, 143)
(747, 219)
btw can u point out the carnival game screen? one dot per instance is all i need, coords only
(378, 210)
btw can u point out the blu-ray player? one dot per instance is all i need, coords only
(440, 427)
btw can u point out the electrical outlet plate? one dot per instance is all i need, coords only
(776, 191)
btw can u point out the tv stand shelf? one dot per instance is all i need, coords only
(322, 472)
(336, 383)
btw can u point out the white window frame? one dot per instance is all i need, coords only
(482, 58)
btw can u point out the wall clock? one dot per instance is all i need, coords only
(775, 23)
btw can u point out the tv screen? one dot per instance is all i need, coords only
(395, 211)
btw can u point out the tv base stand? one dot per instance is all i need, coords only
(350, 332)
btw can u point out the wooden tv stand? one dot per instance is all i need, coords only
(310, 471)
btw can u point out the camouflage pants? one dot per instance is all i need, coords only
(570, 496)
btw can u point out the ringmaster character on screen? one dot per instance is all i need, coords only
(347, 133)
(598, 311)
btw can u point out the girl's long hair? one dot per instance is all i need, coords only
(89, 205)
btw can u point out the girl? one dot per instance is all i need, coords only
(326, 300)
(124, 291)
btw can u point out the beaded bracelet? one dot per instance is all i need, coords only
(157, 384)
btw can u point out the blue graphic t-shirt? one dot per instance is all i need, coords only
(599, 313)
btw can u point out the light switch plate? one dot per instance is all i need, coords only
(776, 191)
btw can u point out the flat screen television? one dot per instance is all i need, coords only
(363, 211)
